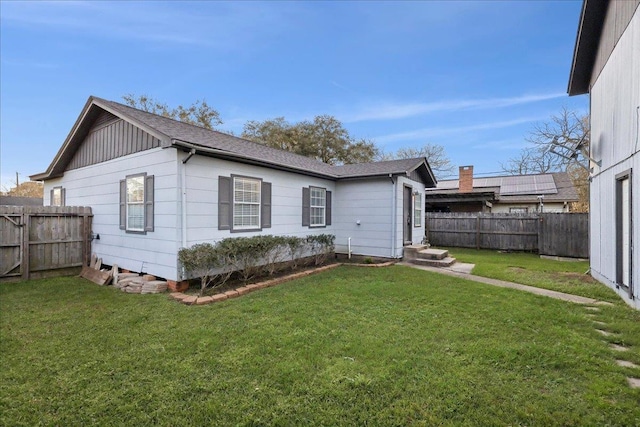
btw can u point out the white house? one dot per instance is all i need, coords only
(156, 185)
(544, 192)
(606, 65)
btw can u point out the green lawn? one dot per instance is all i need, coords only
(350, 346)
(530, 269)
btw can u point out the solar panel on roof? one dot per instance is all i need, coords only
(537, 184)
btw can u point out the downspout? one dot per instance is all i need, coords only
(394, 224)
(183, 199)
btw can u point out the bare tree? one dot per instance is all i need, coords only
(554, 145)
(560, 144)
(436, 156)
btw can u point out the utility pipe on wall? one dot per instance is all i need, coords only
(183, 200)
(393, 217)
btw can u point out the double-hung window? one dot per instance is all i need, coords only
(57, 196)
(318, 206)
(417, 210)
(246, 203)
(135, 203)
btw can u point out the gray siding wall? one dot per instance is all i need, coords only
(98, 186)
(619, 15)
(110, 138)
(201, 197)
(368, 202)
(371, 202)
(615, 97)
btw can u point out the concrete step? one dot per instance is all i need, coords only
(432, 254)
(411, 252)
(446, 262)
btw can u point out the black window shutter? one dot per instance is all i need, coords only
(327, 210)
(148, 203)
(63, 194)
(306, 206)
(51, 198)
(224, 203)
(265, 205)
(123, 204)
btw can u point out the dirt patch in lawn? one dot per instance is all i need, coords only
(562, 277)
(569, 277)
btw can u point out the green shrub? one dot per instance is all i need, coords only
(321, 246)
(249, 256)
(205, 261)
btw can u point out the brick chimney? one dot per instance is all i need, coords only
(466, 179)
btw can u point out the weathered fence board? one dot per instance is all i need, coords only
(548, 234)
(43, 240)
(565, 235)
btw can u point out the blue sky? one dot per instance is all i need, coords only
(472, 76)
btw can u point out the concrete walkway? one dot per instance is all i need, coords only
(503, 284)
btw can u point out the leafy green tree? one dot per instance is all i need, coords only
(325, 138)
(199, 113)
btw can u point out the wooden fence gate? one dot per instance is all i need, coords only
(555, 234)
(42, 241)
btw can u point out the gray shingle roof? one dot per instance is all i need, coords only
(207, 138)
(213, 143)
(378, 168)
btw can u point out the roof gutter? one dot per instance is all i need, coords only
(228, 155)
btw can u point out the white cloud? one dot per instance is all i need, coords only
(389, 111)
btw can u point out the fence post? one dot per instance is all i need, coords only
(540, 235)
(477, 231)
(26, 220)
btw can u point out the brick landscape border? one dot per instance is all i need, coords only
(196, 300)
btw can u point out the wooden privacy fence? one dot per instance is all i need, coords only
(39, 241)
(555, 234)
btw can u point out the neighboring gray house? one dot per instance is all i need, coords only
(606, 65)
(156, 185)
(20, 201)
(546, 192)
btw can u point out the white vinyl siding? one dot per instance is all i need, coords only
(318, 206)
(135, 203)
(246, 203)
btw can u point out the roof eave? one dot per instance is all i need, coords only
(228, 155)
(586, 46)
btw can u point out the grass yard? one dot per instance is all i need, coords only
(350, 346)
(530, 269)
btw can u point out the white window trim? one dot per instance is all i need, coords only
(417, 210)
(53, 198)
(128, 203)
(323, 207)
(235, 203)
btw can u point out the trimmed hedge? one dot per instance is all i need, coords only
(251, 256)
